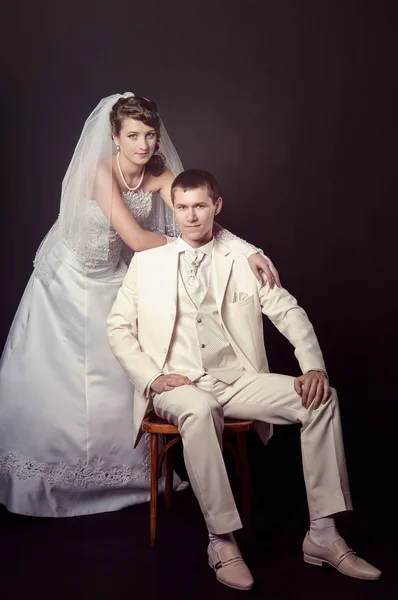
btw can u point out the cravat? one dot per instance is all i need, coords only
(193, 283)
(193, 258)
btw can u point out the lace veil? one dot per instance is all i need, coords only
(94, 152)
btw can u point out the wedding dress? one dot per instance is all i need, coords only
(66, 404)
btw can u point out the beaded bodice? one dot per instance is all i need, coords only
(101, 245)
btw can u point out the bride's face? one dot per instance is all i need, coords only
(137, 141)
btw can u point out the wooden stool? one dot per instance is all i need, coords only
(156, 426)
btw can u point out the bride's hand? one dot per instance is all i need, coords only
(260, 264)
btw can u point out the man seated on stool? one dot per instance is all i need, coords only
(187, 327)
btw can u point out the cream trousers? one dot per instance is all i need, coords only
(199, 410)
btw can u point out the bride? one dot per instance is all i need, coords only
(66, 404)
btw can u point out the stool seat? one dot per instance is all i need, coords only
(154, 424)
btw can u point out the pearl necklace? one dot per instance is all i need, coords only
(130, 189)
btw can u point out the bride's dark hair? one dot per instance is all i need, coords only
(140, 109)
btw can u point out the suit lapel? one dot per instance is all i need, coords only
(221, 267)
(169, 277)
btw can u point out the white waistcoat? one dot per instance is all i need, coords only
(199, 345)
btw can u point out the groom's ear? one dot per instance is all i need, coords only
(218, 206)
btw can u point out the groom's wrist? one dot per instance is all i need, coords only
(148, 389)
(319, 371)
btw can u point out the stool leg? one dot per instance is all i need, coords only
(153, 509)
(245, 480)
(168, 490)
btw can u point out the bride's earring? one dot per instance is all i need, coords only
(118, 148)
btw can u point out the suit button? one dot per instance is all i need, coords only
(198, 320)
(203, 345)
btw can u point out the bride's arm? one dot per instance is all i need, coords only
(259, 263)
(107, 194)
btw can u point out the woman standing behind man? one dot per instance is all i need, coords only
(66, 404)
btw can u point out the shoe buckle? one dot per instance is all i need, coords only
(345, 555)
(229, 561)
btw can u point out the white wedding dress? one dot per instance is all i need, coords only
(66, 404)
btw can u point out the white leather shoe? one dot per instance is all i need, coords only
(229, 566)
(339, 556)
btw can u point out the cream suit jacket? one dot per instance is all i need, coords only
(141, 323)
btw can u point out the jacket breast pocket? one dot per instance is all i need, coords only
(245, 302)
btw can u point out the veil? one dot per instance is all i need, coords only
(93, 153)
(162, 217)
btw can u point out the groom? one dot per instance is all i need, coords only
(187, 327)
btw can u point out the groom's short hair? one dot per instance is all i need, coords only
(192, 179)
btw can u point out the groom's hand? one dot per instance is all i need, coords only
(166, 383)
(313, 387)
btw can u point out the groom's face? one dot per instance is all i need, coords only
(195, 211)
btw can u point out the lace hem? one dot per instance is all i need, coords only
(82, 474)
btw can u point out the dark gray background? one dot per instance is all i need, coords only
(289, 104)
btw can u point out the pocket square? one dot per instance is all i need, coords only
(239, 296)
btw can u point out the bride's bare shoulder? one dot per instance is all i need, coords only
(106, 171)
